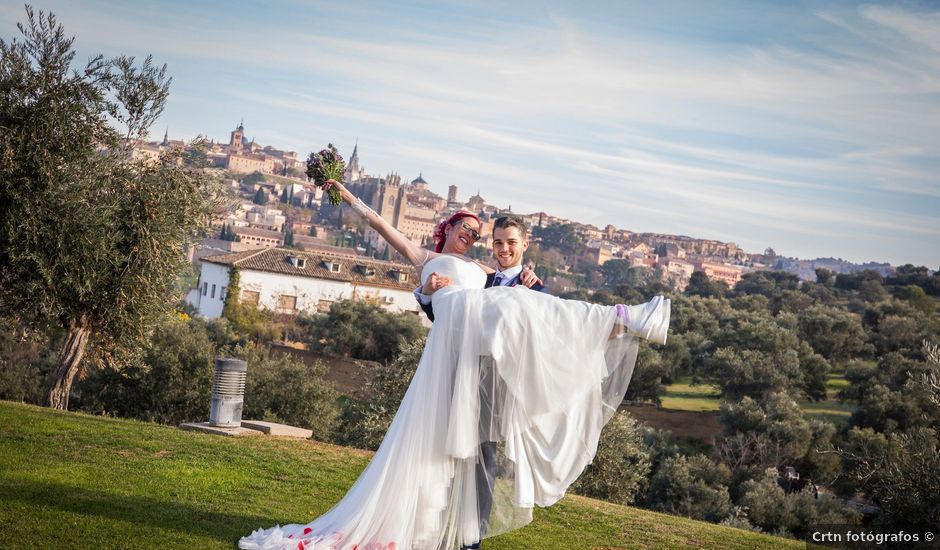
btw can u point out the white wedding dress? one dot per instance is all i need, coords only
(538, 375)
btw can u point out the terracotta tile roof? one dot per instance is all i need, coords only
(354, 269)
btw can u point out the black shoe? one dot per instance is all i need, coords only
(474, 546)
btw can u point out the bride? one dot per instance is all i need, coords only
(532, 376)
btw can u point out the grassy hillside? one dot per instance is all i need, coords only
(76, 481)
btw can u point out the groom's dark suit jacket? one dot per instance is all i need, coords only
(429, 308)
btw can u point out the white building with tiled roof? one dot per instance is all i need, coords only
(291, 281)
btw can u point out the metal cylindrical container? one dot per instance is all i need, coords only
(228, 393)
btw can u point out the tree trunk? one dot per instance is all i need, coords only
(67, 364)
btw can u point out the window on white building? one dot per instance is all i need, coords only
(250, 297)
(205, 288)
(297, 261)
(213, 292)
(287, 303)
(223, 292)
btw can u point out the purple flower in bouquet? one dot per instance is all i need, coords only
(327, 165)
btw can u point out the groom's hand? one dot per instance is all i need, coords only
(435, 282)
(529, 278)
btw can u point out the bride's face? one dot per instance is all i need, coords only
(460, 236)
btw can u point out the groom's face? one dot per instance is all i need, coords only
(508, 246)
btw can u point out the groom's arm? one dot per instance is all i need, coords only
(529, 275)
(435, 281)
(425, 302)
(540, 288)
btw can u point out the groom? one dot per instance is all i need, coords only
(510, 241)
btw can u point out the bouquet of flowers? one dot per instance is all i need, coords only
(327, 165)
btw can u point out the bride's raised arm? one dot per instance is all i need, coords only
(405, 246)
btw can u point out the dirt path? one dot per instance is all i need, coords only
(703, 426)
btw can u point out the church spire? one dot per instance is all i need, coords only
(353, 172)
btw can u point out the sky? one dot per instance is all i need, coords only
(809, 127)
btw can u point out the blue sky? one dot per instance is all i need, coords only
(809, 127)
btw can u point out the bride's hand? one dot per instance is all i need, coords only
(347, 196)
(435, 282)
(529, 278)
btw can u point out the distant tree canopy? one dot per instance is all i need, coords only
(909, 274)
(621, 272)
(766, 283)
(90, 239)
(701, 285)
(563, 236)
(833, 333)
(252, 178)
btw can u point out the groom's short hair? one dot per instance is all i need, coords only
(505, 222)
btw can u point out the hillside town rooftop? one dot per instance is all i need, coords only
(322, 265)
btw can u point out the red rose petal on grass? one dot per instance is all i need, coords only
(290, 536)
(300, 545)
(307, 530)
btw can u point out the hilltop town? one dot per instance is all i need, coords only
(274, 206)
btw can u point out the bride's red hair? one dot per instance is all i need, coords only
(439, 234)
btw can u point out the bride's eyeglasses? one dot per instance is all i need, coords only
(473, 232)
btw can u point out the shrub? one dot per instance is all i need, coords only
(26, 360)
(646, 382)
(775, 511)
(281, 388)
(169, 382)
(777, 423)
(363, 329)
(363, 423)
(695, 487)
(620, 468)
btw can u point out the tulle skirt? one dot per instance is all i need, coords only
(503, 413)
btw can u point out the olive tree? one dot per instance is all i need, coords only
(90, 239)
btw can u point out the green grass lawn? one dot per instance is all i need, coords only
(683, 396)
(75, 481)
(830, 409)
